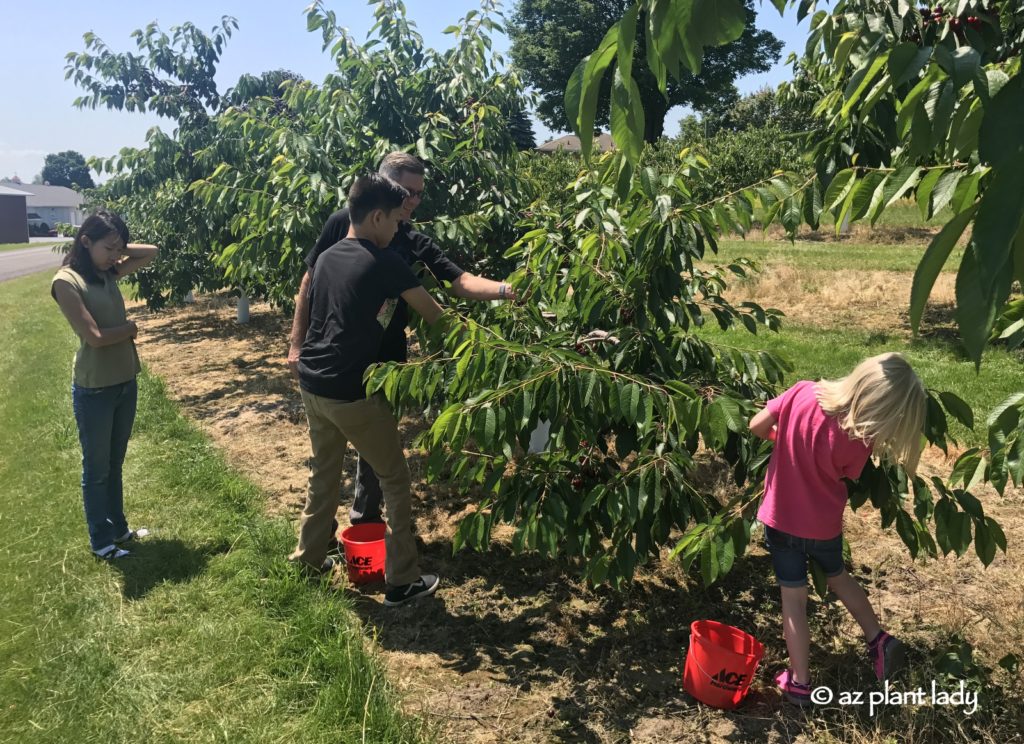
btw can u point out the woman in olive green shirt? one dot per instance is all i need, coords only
(104, 390)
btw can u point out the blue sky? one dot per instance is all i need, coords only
(38, 117)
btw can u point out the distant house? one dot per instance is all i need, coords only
(571, 143)
(13, 224)
(52, 204)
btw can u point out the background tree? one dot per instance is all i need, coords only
(172, 75)
(549, 37)
(933, 105)
(265, 85)
(67, 168)
(766, 107)
(521, 129)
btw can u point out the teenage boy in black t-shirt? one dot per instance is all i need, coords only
(417, 250)
(355, 289)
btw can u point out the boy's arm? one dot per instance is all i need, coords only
(300, 324)
(421, 301)
(763, 425)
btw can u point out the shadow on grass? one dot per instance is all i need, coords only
(155, 561)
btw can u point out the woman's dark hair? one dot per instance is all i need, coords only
(96, 227)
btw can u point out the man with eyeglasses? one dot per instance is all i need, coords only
(415, 248)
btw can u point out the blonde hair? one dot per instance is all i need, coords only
(882, 403)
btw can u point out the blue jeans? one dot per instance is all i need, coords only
(790, 553)
(104, 416)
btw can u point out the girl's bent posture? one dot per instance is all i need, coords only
(824, 433)
(104, 391)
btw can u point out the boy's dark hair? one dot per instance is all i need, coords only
(373, 191)
(96, 227)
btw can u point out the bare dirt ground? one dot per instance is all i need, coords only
(515, 649)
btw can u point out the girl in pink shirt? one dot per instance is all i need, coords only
(824, 433)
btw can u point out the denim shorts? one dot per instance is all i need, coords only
(790, 553)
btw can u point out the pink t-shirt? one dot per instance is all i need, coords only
(804, 494)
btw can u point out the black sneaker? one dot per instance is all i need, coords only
(309, 570)
(424, 586)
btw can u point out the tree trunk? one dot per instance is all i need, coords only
(655, 109)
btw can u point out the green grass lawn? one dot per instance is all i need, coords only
(817, 353)
(904, 213)
(829, 256)
(206, 634)
(21, 246)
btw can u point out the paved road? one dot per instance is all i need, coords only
(28, 261)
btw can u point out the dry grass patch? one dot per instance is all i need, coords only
(870, 300)
(515, 649)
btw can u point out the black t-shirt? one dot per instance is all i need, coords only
(352, 298)
(413, 247)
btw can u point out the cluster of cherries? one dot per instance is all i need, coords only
(938, 15)
(590, 470)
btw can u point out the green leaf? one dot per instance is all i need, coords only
(996, 413)
(907, 532)
(812, 204)
(710, 23)
(900, 183)
(818, 578)
(709, 562)
(999, 220)
(906, 60)
(967, 191)
(975, 305)
(944, 190)
(984, 545)
(996, 532)
(912, 103)
(842, 52)
(839, 188)
(629, 401)
(731, 413)
(574, 92)
(932, 262)
(861, 79)
(590, 87)
(924, 191)
(964, 63)
(627, 117)
(1001, 139)
(627, 37)
(865, 193)
(591, 384)
(958, 409)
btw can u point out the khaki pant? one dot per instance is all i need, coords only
(371, 428)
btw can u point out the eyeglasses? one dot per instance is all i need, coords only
(414, 194)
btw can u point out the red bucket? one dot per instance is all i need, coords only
(364, 552)
(720, 663)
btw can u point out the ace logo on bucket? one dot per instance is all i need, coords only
(361, 561)
(727, 680)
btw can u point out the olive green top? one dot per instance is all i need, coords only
(101, 366)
